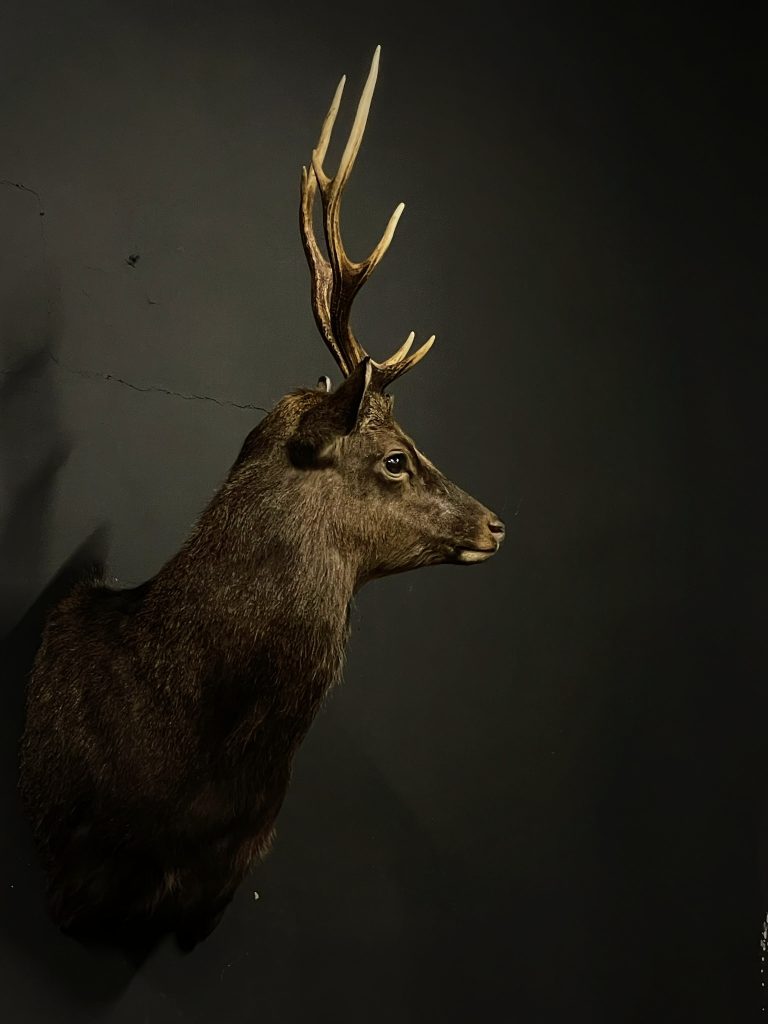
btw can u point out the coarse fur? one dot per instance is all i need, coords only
(162, 720)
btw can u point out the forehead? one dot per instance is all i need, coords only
(378, 412)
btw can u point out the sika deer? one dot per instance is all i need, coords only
(162, 720)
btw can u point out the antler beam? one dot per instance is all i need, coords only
(337, 279)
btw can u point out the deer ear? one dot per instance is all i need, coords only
(339, 414)
(350, 397)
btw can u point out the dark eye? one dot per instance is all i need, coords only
(396, 463)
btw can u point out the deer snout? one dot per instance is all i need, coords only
(487, 541)
(498, 530)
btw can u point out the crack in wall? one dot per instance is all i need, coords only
(109, 377)
(21, 187)
(152, 388)
(112, 379)
(25, 188)
(41, 213)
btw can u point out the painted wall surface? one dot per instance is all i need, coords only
(537, 795)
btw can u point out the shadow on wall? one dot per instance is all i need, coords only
(32, 452)
(360, 914)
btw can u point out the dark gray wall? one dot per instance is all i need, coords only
(537, 795)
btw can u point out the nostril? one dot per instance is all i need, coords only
(496, 526)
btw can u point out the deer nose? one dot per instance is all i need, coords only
(498, 530)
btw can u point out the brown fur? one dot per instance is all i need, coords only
(162, 720)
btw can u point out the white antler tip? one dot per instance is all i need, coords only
(419, 354)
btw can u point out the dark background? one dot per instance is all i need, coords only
(538, 795)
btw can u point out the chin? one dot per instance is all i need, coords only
(471, 556)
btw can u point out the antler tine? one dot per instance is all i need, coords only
(330, 120)
(337, 279)
(355, 139)
(319, 267)
(402, 352)
(394, 367)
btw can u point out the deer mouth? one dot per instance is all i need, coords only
(469, 556)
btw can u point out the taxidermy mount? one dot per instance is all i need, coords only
(162, 720)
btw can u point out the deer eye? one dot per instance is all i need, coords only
(396, 463)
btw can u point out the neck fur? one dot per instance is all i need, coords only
(265, 594)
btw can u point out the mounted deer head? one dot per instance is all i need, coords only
(421, 518)
(162, 720)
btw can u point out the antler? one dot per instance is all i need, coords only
(336, 280)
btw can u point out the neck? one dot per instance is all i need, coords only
(264, 605)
